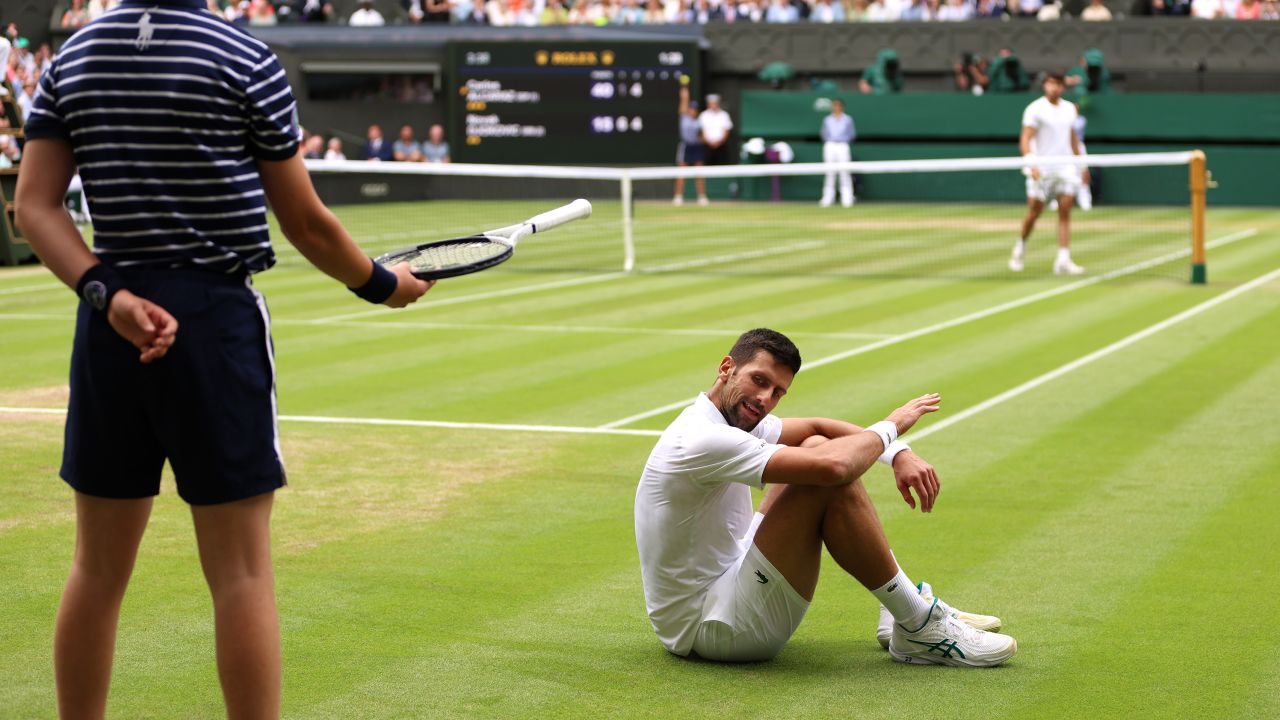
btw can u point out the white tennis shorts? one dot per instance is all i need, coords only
(1053, 184)
(750, 611)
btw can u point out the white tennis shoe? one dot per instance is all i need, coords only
(1066, 267)
(884, 630)
(1015, 263)
(944, 640)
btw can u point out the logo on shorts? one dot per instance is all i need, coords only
(760, 578)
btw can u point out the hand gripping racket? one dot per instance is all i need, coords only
(462, 256)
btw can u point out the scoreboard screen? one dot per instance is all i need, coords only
(574, 102)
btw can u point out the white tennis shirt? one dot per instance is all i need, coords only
(693, 506)
(715, 125)
(1053, 125)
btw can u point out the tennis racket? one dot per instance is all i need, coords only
(466, 255)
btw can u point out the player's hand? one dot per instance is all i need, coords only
(408, 287)
(1085, 177)
(913, 473)
(684, 92)
(907, 415)
(1035, 174)
(146, 325)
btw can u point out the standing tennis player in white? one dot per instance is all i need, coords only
(837, 133)
(727, 585)
(1048, 129)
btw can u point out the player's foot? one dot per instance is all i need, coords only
(1066, 267)
(884, 630)
(824, 202)
(944, 640)
(677, 200)
(849, 203)
(1015, 262)
(702, 200)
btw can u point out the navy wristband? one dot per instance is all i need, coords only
(382, 284)
(98, 285)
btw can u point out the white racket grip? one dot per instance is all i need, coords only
(552, 218)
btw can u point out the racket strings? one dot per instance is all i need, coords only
(457, 254)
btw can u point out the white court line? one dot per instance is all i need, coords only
(36, 316)
(324, 420)
(583, 329)
(30, 288)
(963, 319)
(924, 433)
(572, 282)
(1095, 355)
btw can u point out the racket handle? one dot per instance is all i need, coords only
(573, 211)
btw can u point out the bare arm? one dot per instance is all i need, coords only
(797, 430)
(48, 227)
(1077, 150)
(319, 236)
(1024, 145)
(843, 459)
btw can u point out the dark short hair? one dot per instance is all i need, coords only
(1056, 75)
(771, 341)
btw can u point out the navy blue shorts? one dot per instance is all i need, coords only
(208, 406)
(691, 153)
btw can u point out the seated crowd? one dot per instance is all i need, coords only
(261, 13)
(406, 148)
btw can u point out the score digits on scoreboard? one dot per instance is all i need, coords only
(568, 102)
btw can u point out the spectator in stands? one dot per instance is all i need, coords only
(1050, 11)
(1006, 74)
(971, 73)
(1270, 10)
(335, 150)
(316, 11)
(435, 149)
(554, 13)
(27, 97)
(76, 16)
(1025, 8)
(956, 11)
(823, 12)
(855, 10)
(366, 16)
(1096, 11)
(376, 147)
(912, 13)
(261, 13)
(781, 11)
(313, 147)
(989, 9)
(438, 12)
(1249, 10)
(407, 149)
(10, 153)
(1208, 9)
(884, 77)
(1164, 7)
(1091, 76)
(716, 127)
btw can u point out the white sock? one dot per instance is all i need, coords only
(1064, 255)
(903, 600)
(1019, 247)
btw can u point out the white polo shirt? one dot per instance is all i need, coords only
(1053, 125)
(715, 125)
(693, 506)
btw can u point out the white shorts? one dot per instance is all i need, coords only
(750, 611)
(1052, 185)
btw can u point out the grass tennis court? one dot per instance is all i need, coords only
(1108, 452)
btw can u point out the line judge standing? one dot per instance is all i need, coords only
(837, 133)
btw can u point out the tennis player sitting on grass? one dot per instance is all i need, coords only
(727, 586)
(181, 125)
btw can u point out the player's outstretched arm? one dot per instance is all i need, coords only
(54, 238)
(319, 236)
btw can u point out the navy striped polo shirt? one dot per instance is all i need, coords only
(167, 107)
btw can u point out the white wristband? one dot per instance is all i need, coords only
(887, 431)
(892, 451)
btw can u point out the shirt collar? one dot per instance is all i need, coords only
(709, 409)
